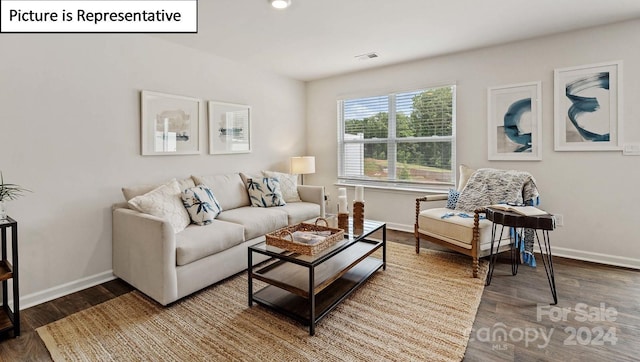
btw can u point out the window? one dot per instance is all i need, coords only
(398, 140)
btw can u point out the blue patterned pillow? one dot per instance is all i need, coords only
(201, 204)
(265, 192)
(452, 200)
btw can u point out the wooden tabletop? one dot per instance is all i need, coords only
(513, 219)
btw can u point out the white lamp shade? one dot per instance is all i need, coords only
(303, 165)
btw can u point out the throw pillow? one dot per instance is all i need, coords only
(452, 200)
(265, 192)
(465, 174)
(164, 202)
(201, 204)
(288, 185)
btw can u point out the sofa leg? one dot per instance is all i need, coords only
(475, 267)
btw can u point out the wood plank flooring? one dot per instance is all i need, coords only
(514, 322)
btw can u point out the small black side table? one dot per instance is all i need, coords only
(9, 319)
(544, 223)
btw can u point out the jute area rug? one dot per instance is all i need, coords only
(421, 308)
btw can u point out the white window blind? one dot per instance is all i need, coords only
(400, 139)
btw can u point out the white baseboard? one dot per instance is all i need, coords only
(400, 227)
(43, 296)
(563, 252)
(594, 257)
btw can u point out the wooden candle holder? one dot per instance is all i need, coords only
(343, 221)
(358, 215)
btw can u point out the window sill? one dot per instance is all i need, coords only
(398, 188)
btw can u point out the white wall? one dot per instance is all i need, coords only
(70, 131)
(595, 191)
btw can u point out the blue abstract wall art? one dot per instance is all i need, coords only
(588, 107)
(512, 120)
(582, 104)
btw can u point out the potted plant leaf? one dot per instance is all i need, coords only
(9, 192)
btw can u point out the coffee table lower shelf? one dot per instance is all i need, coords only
(297, 307)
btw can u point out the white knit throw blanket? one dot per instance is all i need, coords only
(488, 186)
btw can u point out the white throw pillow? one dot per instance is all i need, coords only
(465, 174)
(288, 185)
(265, 192)
(164, 202)
(201, 204)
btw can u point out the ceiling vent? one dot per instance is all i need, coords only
(366, 56)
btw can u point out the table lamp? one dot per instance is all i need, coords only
(302, 165)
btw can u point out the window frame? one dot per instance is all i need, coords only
(393, 141)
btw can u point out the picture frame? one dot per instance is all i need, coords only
(170, 124)
(229, 128)
(514, 118)
(588, 107)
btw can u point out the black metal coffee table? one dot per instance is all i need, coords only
(306, 288)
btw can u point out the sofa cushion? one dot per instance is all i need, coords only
(298, 212)
(196, 242)
(229, 189)
(257, 221)
(201, 204)
(288, 185)
(454, 227)
(164, 202)
(265, 192)
(133, 191)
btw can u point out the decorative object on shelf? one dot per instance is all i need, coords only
(358, 209)
(343, 209)
(515, 122)
(358, 215)
(170, 124)
(8, 192)
(229, 128)
(343, 221)
(359, 193)
(342, 205)
(303, 165)
(588, 107)
(342, 199)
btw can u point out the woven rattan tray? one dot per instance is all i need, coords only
(283, 238)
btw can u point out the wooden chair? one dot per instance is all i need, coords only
(468, 236)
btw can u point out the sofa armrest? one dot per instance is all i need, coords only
(313, 194)
(144, 253)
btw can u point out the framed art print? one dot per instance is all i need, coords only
(588, 107)
(229, 128)
(514, 122)
(170, 124)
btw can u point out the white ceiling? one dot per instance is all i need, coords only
(314, 39)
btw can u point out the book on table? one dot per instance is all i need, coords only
(522, 210)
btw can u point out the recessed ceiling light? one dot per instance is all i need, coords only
(280, 4)
(366, 56)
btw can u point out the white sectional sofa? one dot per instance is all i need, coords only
(168, 265)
